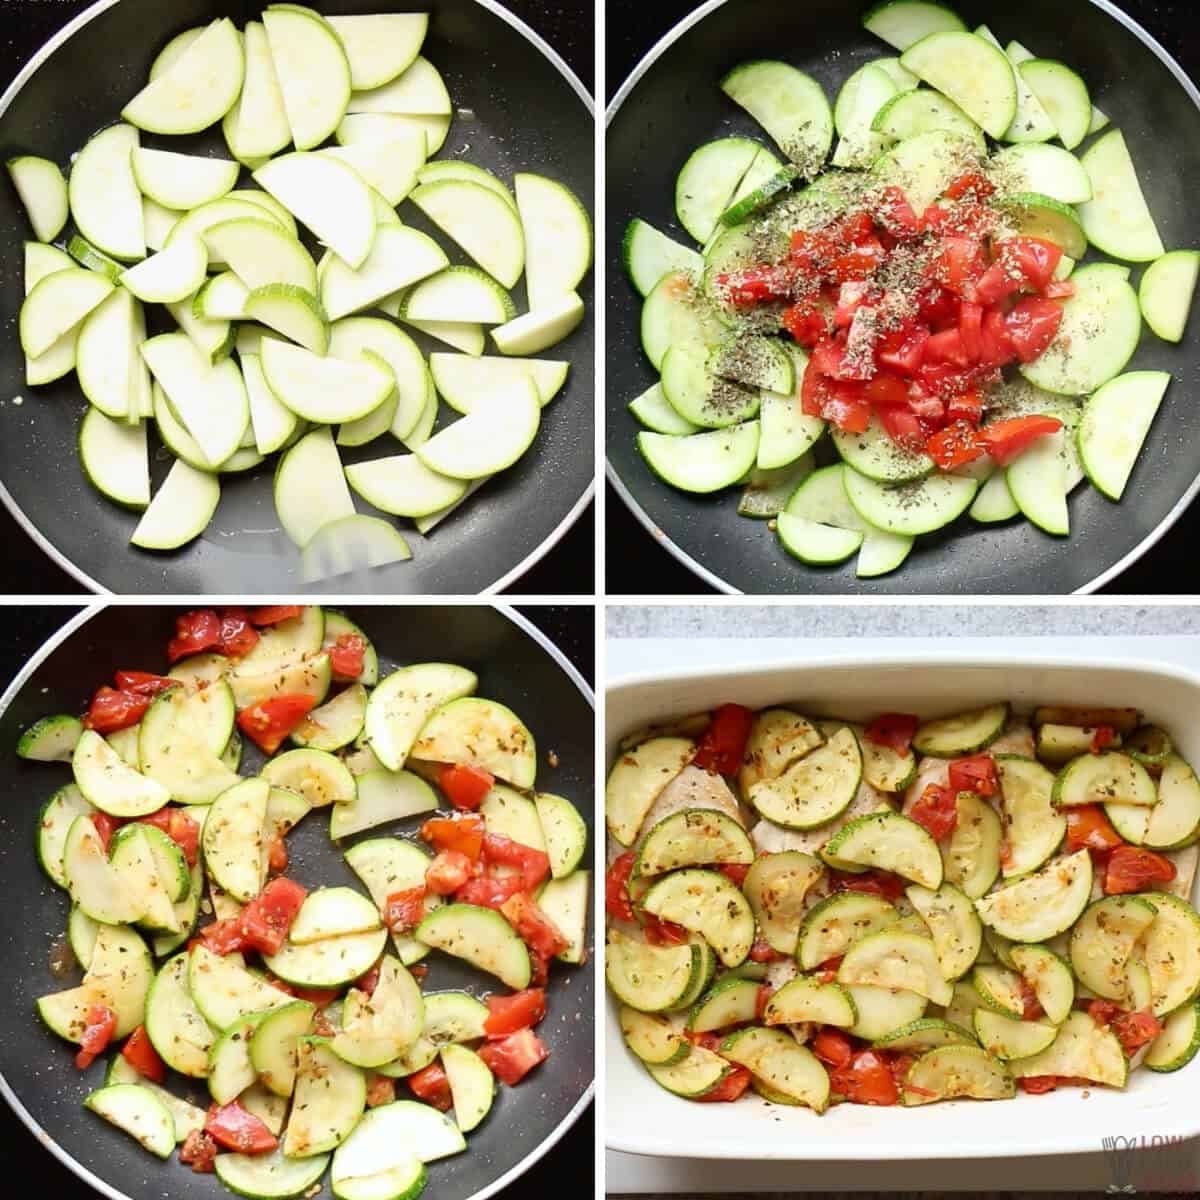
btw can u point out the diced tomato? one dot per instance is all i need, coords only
(465, 786)
(1035, 258)
(489, 892)
(755, 285)
(513, 1057)
(833, 1047)
(815, 391)
(960, 264)
(729, 1089)
(763, 952)
(347, 655)
(903, 350)
(846, 413)
(829, 358)
(874, 883)
(100, 1024)
(761, 999)
(268, 917)
(277, 856)
(955, 446)
(1102, 737)
(1008, 440)
(996, 284)
(616, 887)
(380, 1090)
(723, 744)
(996, 348)
(1032, 325)
(735, 871)
(1103, 1012)
(851, 297)
(974, 774)
(318, 997)
(144, 683)
(1131, 869)
(902, 427)
(971, 183)
(111, 710)
(948, 347)
(662, 933)
(464, 834)
(896, 215)
(268, 722)
(855, 228)
(806, 323)
(886, 391)
(866, 1079)
(533, 865)
(140, 1054)
(1031, 1006)
(199, 1152)
(1038, 1085)
(508, 1014)
(368, 981)
(235, 1128)
(449, 870)
(936, 811)
(431, 1086)
(106, 826)
(273, 614)
(1087, 826)
(968, 407)
(1059, 289)
(182, 829)
(223, 937)
(195, 631)
(1136, 1029)
(403, 911)
(936, 306)
(970, 330)
(893, 730)
(859, 263)
(238, 636)
(536, 929)
(827, 971)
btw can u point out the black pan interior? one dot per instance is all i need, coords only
(517, 112)
(677, 105)
(512, 667)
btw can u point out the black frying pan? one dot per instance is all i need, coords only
(671, 104)
(516, 664)
(529, 112)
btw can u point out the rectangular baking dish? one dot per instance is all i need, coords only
(642, 1118)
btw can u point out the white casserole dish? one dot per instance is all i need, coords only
(642, 1118)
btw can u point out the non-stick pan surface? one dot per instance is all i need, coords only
(516, 665)
(519, 108)
(673, 103)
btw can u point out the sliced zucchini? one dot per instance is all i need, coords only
(93, 883)
(381, 796)
(266, 1176)
(636, 780)
(1176, 1046)
(963, 733)
(1175, 820)
(1043, 904)
(1035, 827)
(777, 739)
(328, 963)
(176, 1027)
(791, 1073)
(564, 830)
(929, 1033)
(51, 739)
(695, 1075)
(693, 837)
(1050, 978)
(137, 1112)
(882, 1011)
(565, 902)
(1103, 940)
(225, 991)
(387, 865)
(1007, 1038)
(730, 1001)
(1117, 219)
(807, 999)
(402, 704)
(110, 784)
(837, 922)
(652, 1039)
(956, 1072)
(1110, 778)
(480, 733)
(706, 903)
(896, 960)
(315, 775)
(890, 842)
(330, 1097)
(953, 924)
(54, 824)
(790, 105)
(1172, 953)
(1082, 1050)
(482, 937)
(816, 788)
(777, 886)
(230, 1071)
(379, 1028)
(1123, 720)
(383, 1146)
(233, 838)
(901, 23)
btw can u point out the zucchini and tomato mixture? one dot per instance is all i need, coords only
(287, 1004)
(903, 911)
(918, 297)
(331, 124)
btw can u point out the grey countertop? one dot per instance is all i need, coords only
(916, 620)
